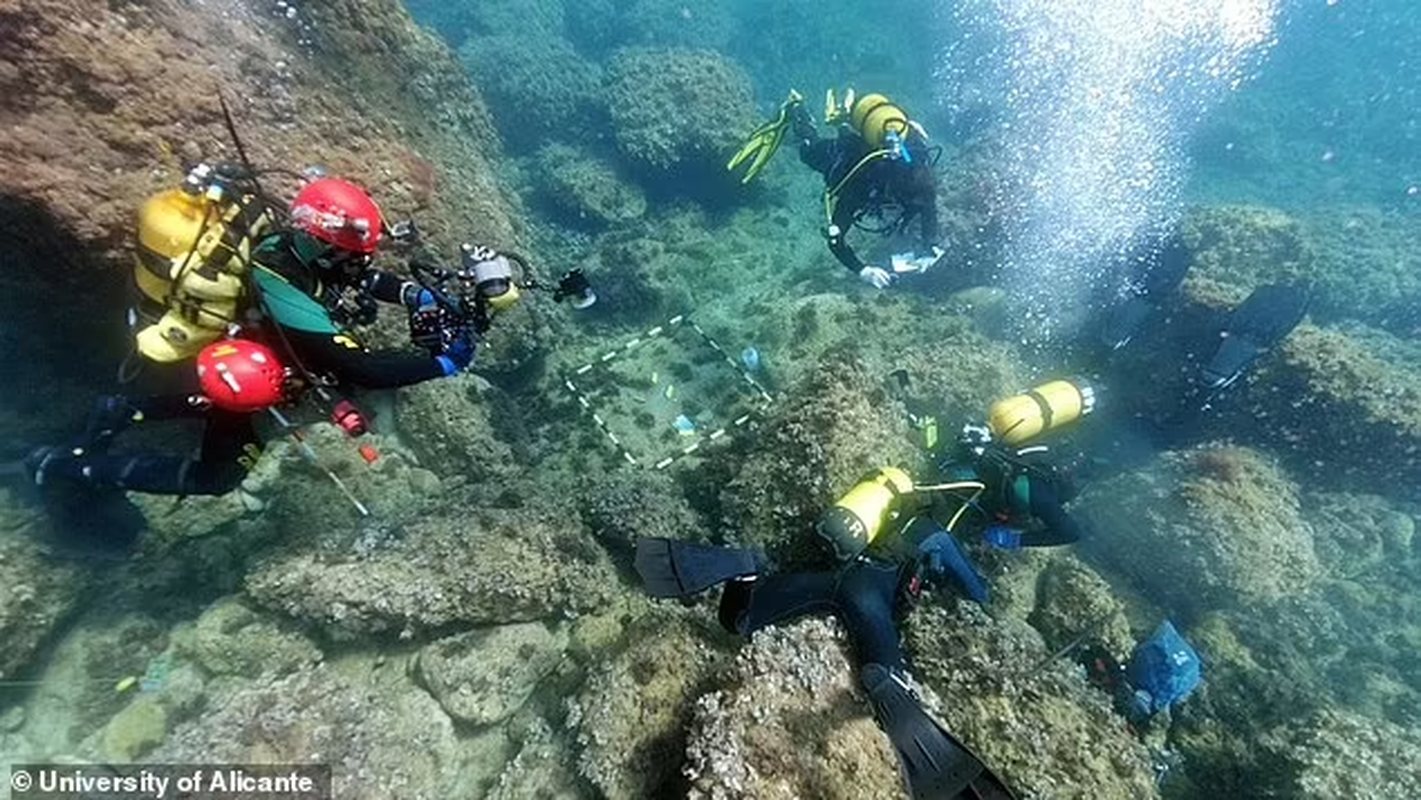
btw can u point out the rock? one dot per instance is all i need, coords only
(630, 715)
(541, 769)
(230, 639)
(825, 434)
(789, 720)
(482, 677)
(1038, 725)
(491, 568)
(678, 109)
(1073, 600)
(141, 726)
(449, 424)
(37, 595)
(383, 738)
(1338, 754)
(1213, 527)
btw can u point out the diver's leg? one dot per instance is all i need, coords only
(749, 605)
(230, 446)
(864, 600)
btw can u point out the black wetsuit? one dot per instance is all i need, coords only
(230, 443)
(880, 183)
(1019, 487)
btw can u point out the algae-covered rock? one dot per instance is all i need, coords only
(1342, 410)
(541, 769)
(627, 504)
(538, 86)
(1238, 248)
(1354, 533)
(230, 639)
(141, 726)
(36, 596)
(1038, 725)
(790, 720)
(482, 677)
(488, 568)
(674, 108)
(825, 435)
(450, 424)
(1073, 600)
(631, 714)
(382, 737)
(1208, 528)
(1337, 754)
(585, 188)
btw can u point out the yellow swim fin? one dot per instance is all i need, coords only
(765, 140)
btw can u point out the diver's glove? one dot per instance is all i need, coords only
(942, 558)
(459, 347)
(1002, 537)
(876, 277)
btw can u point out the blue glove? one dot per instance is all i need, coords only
(942, 557)
(423, 299)
(1002, 537)
(458, 351)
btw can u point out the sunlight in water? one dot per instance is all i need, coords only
(1094, 101)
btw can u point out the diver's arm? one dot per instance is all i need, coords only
(838, 232)
(387, 287)
(341, 356)
(1060, 527)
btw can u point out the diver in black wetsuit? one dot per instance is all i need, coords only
(309, 283)
(878, 175)
(877, 166)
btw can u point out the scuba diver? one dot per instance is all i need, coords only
(874, 584)
(212, 264)
(878, 176)
(888, 535)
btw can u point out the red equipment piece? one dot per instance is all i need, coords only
(339, 213)
(241, 375)
(349, 419)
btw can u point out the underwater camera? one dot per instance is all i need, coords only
(574, 284)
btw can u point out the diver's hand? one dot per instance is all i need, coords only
(876, 277)
(934, 550)
(1002, 537)
(459, 347)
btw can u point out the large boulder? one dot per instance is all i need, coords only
(630, 716)
(825, 434)
(484, 676)
(489, 568)
(1034, 721)
(1208, 528)
(790, 720)
(37, 597)
(675, 109)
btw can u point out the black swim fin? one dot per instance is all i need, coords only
(1259, 323)
(674, 568)
(935, 765)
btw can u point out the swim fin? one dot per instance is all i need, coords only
(1259, 323)
(935, 765)
(674, 568)
(765, 140)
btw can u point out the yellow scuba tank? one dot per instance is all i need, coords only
(1019, 419)
(193, 253)
(856, 519)
(874, 116)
